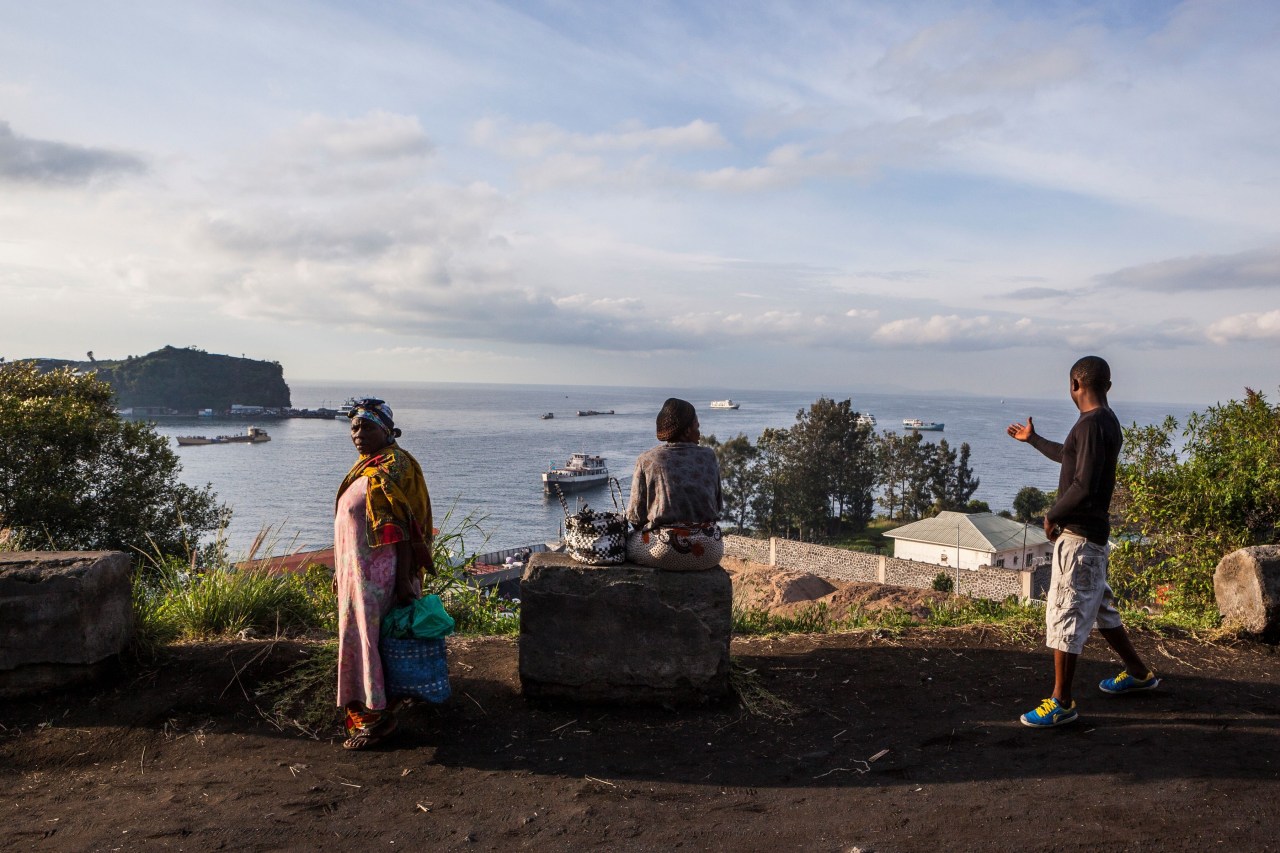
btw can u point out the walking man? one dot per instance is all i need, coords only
(1078, 525)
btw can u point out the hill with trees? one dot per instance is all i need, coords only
(186, 379)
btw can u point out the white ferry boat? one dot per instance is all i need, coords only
(253, 435)
(921, 426)
(867, 419)
(580, 471)
(723, 404)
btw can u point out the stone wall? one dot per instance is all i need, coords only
(746, 548)
(834, 563)
(838, 564)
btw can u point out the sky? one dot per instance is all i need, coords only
(861, 196)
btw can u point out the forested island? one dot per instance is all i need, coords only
(185, 380)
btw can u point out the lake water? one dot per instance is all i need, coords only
(483, 448)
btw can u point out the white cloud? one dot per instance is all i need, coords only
(545, 139)
(1254, 326)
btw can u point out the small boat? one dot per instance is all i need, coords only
(584, 413)
(867, 419)
(723, 404)
(252, 435)
(580, 471)
(921, 426)
(548, 416)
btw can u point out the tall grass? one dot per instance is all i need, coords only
(192, 599)
(173, 602)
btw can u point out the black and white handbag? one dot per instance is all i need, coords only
(596, 538)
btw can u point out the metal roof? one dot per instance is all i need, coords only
(980, 531)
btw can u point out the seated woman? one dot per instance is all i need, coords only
(675, 497)
(381, 545)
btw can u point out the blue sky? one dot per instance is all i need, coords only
(844, 197)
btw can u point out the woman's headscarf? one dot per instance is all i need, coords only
(675, 418)
(378, 412)
(397, 506)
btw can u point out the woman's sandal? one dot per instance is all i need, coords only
(364, 737)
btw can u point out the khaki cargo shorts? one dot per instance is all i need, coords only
(1079, 595)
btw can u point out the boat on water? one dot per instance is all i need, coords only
(582, 470)
(584, 413)
(867, 419)
(548, 416)
(921, 426)
(344, 411)
(252, 435)
(723, 404)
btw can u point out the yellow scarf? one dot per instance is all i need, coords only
(398, 507)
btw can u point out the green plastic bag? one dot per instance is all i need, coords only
(424, 619)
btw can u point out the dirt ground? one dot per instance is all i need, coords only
(906, 743)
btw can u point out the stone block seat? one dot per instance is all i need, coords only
(63, 617)
(1247, 587)
(623, 634)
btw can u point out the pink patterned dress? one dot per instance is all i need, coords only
(366, 579)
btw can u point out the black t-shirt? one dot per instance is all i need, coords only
(1088, 476)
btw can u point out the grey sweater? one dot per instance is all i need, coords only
(676, 483)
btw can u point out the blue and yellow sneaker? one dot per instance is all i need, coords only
(1050, 713)
(1126, 683)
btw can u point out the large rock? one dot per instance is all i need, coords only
(623, 633)
(1247, 586)
(62, 615)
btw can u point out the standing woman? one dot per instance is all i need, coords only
(675, 497)
(381, 545)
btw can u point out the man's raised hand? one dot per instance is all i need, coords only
(1022, 432)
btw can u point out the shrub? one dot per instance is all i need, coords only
(943, 582)
(74, 475)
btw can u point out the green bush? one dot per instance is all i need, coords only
(1181, 512)
(943, 582)
(75, 476)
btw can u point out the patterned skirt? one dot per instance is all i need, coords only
(678, 548)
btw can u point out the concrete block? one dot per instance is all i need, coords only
(61, 615)
(1246, 585)
(624, 633)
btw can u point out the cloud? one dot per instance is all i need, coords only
(915, 332)
(1244, 271)
(24, 159)
(535, 141)
(377, 135)
(1030, 293)
(1258, 326)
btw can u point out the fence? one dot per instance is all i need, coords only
(991, 582)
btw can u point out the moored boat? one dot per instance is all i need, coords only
(252, 435)
(921, 426)
(723, 404)
(582, 470)
(867, 419)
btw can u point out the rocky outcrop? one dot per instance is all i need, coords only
(623, 633)
(62, 615)
(1247, 587)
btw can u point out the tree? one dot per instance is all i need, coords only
(74, 475)
(770, 505)
(834, 454)
(1183, 512)
(1029, 505)
(739, 479)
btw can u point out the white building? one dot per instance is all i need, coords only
(969, 541)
